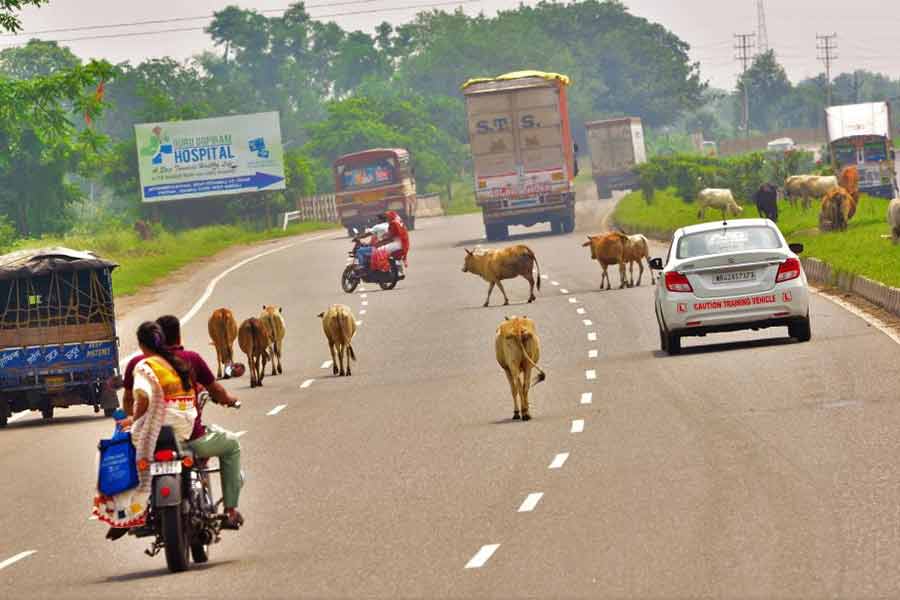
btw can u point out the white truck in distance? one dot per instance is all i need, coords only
(617, 147)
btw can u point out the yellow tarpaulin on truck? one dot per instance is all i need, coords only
(519, 75)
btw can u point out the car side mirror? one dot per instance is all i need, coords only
(796, 248)
(656, 264)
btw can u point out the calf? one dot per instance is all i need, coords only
(496, 265)
(518, 350)
(609, 249)
(636, 250)
(766, 199)
(339, 325)
(254, 342)
(894, 219)
(223, 330)
(717, 198)
(274, 324)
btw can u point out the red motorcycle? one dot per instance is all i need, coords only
(355, 272)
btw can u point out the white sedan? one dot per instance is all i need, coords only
(728, 276)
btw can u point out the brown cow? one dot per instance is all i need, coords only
(223, 330)
(609, 249)
(849, 180)
(254, 342)
(496, 265)
(518, 349)
(274, 323)
(339, 325)
(837, 207)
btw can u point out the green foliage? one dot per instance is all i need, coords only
(9, 21)
(36, 58)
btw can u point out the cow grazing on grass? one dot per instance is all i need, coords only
(836, 208)
(223, 331)
(894, 219)
(766, 200)
(849, 180)
(339, 325)
(274, 324)
(636, 250)
(808, 187)
(609, 249)
(518, 350)
(496, 265)
(719, 199)
(254, 342)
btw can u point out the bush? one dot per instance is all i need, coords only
(7, 234)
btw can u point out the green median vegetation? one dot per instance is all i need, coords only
(861, 250)
(144, 262)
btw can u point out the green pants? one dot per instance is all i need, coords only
(224, 445)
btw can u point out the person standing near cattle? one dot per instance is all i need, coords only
(496, 265)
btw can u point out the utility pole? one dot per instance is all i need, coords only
(762, 33)
(743, 45)
(826, 45)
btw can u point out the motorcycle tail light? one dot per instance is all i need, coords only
(188, 462)
(164, 455)
(143, 464)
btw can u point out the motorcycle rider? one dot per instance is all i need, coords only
(396, 240)
(377, 231)
(206, 442)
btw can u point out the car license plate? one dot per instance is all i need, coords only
(734, 276)
(165, 468)
(533, 201)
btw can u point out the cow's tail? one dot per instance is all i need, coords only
(254, 332)
(346, 335)
(521, 339)
(530, 253)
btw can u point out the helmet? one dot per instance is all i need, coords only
(237, 369)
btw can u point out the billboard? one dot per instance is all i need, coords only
(210, 157)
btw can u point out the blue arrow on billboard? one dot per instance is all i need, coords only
(257, 181)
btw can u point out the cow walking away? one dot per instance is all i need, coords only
(496, 265)
(339, 325)
(254, 343)
(609, 249)
(518, 351)
(636, 250)
(223, 331)
(272, 319)
(766, 200)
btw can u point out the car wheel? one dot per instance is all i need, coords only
(800, 330)
(663, 341)
(673, 343)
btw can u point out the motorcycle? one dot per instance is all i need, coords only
(182, 515)
(355, 272)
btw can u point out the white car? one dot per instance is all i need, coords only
(728, 276)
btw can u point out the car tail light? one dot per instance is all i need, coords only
(789, 269)
(677, 282)
(164, 455)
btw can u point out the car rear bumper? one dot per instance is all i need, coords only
(689, 315)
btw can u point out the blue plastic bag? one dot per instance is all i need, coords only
(118, 464)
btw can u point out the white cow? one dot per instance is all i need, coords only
(807, 187)
(718, 198)
(894, 219)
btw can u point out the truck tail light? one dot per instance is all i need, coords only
(678, 282)
(789, 269)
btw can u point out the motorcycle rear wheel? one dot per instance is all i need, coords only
(349, 281)
(178, 556)
(392, 283)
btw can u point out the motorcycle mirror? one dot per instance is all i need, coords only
(355, 231)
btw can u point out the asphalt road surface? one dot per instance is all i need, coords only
(750, 466)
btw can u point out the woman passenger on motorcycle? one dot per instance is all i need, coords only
(396, 240)
(164, 395)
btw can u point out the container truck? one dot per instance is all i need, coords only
(617, 147)
(860, 135)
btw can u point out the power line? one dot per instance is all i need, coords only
(826, 46)
(743, 46)
(190, 29)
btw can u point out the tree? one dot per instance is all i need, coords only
(35, 58)
(768, 85)
(9, 21)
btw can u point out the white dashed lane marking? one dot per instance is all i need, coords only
(587, 322)
(587, 397)
(554, 283)
(364, 303)
(14, 559)
(573, 300)
(592, 354)
(306, 384)
(590, 374)
(531, 502)
(482, 556)
(545, 277)
(362, 312)
(577, 426)
(359, 323)
(559, 460)
(563, 291)
(276, 410)
(592, 337)
(580, 310)
(327, 364)
(363, 295)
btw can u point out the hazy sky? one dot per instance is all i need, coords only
(866, 30)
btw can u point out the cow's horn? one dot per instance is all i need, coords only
(469, 252)
(320, 315)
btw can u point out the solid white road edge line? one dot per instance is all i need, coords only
(327, 364)
(587, 397)
(276, 410)
(531, 502)
(577, 426)
(14, 559)
(873, 321)
(306, 384)
(590, 374)
(559, 460)
(592, 354)
(482, 556)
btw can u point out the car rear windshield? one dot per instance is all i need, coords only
(725, 241)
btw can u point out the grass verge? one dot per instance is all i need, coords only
(861, 250)
(143, 263)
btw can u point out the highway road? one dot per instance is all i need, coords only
(750, 466)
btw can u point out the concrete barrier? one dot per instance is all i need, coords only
(879, 294)
(429, 205)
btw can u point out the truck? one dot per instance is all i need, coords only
(860, 135)
(58, 343)
(523, 157)
(371, 182)
(617, 147)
